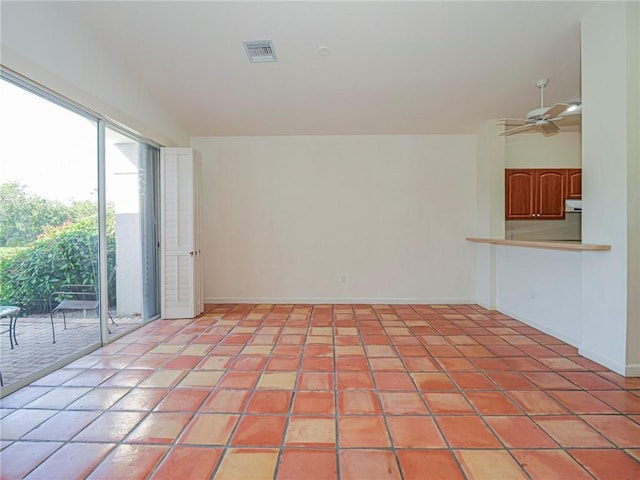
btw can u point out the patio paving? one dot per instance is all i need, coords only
(36, 350)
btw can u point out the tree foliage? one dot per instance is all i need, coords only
(24, 216)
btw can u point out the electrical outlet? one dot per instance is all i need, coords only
(343, 278)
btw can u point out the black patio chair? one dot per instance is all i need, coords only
(76, 298)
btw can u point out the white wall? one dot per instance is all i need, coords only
(541, 288)
(285, 217)
(57, 52)
(533, 150)
(490, 207)
(633, 187)
(610, 162)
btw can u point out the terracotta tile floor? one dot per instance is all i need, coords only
(36, 351)
(301, 392)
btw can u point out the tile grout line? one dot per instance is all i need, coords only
(377, 391)
(170, 445)
(434, 416)
(68, 441)
(450, 449)
(524, 414)
(160, 461)
(224, 448)
(294, 391)
(227, 446)
(495, 434)
(198, 410)
(65, 409)
(488, 426)
(475, 409)
(336, 393)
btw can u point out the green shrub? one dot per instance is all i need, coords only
(62, 255)
(8, 251)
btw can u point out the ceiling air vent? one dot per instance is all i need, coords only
(260, 51)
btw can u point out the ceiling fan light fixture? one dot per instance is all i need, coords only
(573, 106)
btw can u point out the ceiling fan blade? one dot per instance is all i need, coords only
(568, 121)
(547, 128)
(523, 128)
(512, 122)
(556, 110)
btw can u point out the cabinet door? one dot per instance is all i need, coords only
(551, 185)
(519, 194)
(574, 183)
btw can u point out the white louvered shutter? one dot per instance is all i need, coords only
(180, 243)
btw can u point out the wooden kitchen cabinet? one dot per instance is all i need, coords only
(519, 194)
(535, 194)
(574, 183)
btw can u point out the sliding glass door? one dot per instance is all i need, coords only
(131, 226)
(79, 252)
(150, 229)
(49, 247)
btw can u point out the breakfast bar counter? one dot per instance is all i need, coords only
(553, 245)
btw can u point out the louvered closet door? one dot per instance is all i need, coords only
(181, 289)
(198, 272)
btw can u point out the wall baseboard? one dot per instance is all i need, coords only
(341, 300)
(543, 328)
(607, 362)
(628, 370)
(488, 306)
(633, 370)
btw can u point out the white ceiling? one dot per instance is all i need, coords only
(394, 67)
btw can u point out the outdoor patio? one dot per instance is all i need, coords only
(36, 350)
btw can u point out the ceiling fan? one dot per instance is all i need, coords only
(546, 120)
